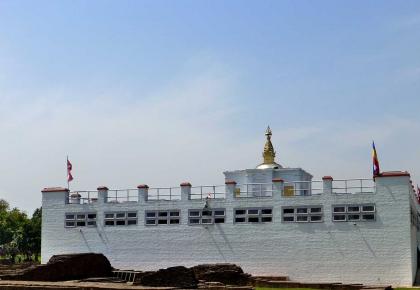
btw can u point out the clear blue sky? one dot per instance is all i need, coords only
(164, 91)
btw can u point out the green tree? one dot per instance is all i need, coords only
(19, 235)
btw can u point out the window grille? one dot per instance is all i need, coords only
(80, 219)
(354, 213)
(162, 217)
(206, 216)
(120, 218)
(302, 214)
(253, 215)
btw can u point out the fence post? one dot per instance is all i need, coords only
(327, 184)
(278, 185)
(102, 194)
(231, 190)
(185, 191)
(143, 192)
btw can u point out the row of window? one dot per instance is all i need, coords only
(290, 214)
(353, 213)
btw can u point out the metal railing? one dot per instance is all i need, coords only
(208, 191)
(353, 186)
(164, 193)
(303, 188)
(122, 195)
(83, 197)
(247, 190)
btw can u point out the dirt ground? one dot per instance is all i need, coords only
(11, 269)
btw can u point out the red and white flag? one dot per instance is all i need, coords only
(69, 168)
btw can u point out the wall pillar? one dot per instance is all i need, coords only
(185, 191)
(327, 184)
(231, 192)
(278, 185)
(55, 195)
(143, 192)
(102, 194)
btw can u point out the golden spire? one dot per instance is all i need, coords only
(269, 152)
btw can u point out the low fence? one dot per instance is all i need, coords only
(208, 192)
(353, 186)
(247, 190)
(164, 193)
(122, 195)
(83, 197)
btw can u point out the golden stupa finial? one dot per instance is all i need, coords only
(269, 152)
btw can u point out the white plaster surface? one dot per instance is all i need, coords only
(379, 252)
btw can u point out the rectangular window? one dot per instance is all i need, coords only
(354, 213)
(316, 209)
(72, 220)
(339, 218)
(353, 217)
(302, 214)
(353, 208)
(368, 208)
(302, 218)
(206, 216)
(253, 215)
(288, 211)
(267, 211)
(120, 218)
(288, 218)
(240, 212)
(368, 217)
(303, 210)
(339, 209)
(316, 218)
(162, 217)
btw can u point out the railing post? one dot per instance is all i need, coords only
(327, 184)
(278, 186)
(185, 191)
(143, 192)
(231, 192)
(102, 194)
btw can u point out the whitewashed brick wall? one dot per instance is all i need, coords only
(380, 252)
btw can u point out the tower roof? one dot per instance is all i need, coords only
(268, 154)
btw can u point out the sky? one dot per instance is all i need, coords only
(161, 92)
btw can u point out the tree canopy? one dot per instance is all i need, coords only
(19, 234)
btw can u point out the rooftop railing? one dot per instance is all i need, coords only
(164, 193)
(83, 196)
(353, 186)
(303, 188)
(246, 190)
(122, 195)
(208, 192)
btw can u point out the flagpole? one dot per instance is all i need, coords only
(68, 182)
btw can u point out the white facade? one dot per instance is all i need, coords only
(378, 251)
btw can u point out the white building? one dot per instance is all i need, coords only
(270, 220)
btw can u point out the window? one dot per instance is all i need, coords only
(253, 215)
(162, 217)
(302, 214)
(120, 218)
(206, 216)
(73, 220)
(354, 213)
